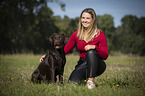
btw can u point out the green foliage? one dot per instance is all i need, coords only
(24, 25)
(44, 27)
(66, 24)
(61, 23)
(129, 37)
(124, 76)
(106, 24)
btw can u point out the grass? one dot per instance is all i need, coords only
(124, 76)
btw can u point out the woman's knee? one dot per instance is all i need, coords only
(77, 76)
(92, 52)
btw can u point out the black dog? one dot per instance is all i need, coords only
(53, 63)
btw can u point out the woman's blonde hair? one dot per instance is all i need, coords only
(91, 31)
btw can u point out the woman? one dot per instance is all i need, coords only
(92, 45)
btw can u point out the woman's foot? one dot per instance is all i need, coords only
(90, 84)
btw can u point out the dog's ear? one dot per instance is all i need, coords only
(51, 38)
(66, 38)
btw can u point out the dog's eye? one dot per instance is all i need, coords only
(59, 37)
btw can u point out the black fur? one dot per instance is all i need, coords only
(53, 63)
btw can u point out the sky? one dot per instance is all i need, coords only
(116, 8)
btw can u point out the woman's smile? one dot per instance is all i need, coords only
(86, 19)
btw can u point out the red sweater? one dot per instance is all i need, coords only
(99, 41)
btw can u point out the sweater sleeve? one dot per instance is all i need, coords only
(102, 48)
(70, 44)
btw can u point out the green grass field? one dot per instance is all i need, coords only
(124, 76)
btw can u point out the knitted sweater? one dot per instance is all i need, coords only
(99, 41)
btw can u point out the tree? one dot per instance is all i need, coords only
(129, 37)
(62, 23)
(18, 20)
(72, 26)
(43, 29)
(106, 24)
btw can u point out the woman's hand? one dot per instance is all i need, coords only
(88, 47)
(41, 59)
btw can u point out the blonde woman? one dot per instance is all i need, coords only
(92, 45)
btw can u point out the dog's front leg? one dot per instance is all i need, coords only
(61, 76)
(53, 75)
(61, 79)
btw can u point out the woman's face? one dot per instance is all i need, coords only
(86, 19)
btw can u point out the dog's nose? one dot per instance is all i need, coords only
(56, 42)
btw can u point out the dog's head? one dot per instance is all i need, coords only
(58, 40)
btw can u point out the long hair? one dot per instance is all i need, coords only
(89, 33)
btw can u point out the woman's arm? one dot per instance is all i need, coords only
(70, 44)
(88, 47)
(101, 48)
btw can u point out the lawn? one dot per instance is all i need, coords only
(124, 76)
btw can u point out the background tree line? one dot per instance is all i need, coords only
(25, 26)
